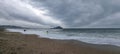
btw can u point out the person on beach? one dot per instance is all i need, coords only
(24, 30)
(47, 32)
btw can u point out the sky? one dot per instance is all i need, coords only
(65, 13)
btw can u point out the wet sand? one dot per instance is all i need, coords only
(17, 43)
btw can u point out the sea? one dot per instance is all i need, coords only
(95, 36)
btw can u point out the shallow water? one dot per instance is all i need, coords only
(108, 36)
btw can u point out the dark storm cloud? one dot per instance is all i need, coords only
(82, 13)
(73, 12)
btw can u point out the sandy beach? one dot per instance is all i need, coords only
(17, 43)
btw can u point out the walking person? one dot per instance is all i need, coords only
(47, 32)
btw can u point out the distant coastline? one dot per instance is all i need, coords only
(10, 26)
(91, 28)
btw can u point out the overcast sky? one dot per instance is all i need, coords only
(66, 13)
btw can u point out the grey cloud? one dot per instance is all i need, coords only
(112, 21)
(80, 13)
(70, 13)
(17, 10)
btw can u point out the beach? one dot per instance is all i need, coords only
(18, 43)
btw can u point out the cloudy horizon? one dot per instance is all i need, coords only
(65, 13)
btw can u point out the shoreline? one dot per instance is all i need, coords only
(98, 39)
(32, 44)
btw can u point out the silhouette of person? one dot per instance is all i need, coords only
(47, 32)
(24, 30)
